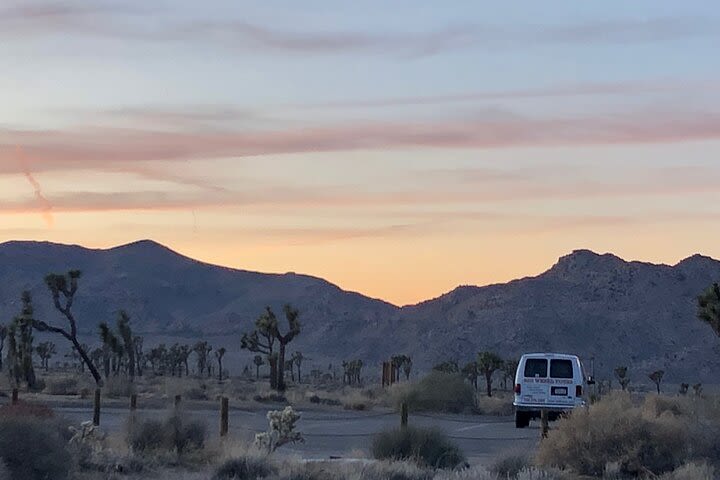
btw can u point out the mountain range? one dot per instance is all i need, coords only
(599, 306)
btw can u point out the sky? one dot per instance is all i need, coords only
(398, 149)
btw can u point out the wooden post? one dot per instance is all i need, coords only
(133, 402)
(178, 400)
(224, 416)
(15, 398)
(96, 408)
(404, 415)
(544, 422)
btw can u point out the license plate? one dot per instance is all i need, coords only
(559, 391)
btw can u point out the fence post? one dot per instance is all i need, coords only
(224, 416)
(178, 400)
(544, 422)
(133, 402)
(404, 415)
(15, 396)
(96, 408)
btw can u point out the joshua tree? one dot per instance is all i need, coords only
(184, 352)
(259, 362)
(353, 372)
(488, 363)
(219, 353)
(266, 327)
(656, 378)
(298, 358)
(125, 332)
(697, 388)
(684, 387)
(3, 336)
(110, 345)
(67, 286)
(13, 361)
(508, 371)
(709, 307)
(470, 371)
(45, 350)
(262, 340)
(407, 367)
(449, 366)
(202, 351)
(21, 343)
(621, 375)
(137, 346)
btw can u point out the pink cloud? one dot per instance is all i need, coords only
(115, 148)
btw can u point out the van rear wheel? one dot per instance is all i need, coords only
(522, 419)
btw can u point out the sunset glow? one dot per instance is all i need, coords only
(396, 150)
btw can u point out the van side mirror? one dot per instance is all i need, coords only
(590, 380)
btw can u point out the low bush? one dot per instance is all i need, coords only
(246, 467)
(325, 401)
(426, 446)
(62, 386)
(196, 394)
(26, 409)
(657, 436)
(510, 464)
(118, 387)
(691, 471)
(439, 392)
(270, 398)
(172, 434)
(498, 405)
(34, 448)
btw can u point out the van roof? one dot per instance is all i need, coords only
(550, 355)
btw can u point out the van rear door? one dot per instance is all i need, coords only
(535, 386)
(562, 388)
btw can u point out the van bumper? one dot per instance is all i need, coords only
(523, 407)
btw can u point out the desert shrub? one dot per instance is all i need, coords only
(691, 471)
(246, 467)
(657, 436)
(510, 464)
(34, 448)
(4, 472)
(325, 401)
(439, 392)
(62, 386)
(499, 405)
(118, 387)
(26, 409)
(426, 446)
(172, 434)
(196, 394)
(395, 471)
(270, 398)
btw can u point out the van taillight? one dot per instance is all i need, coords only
(578, 390)
(518, 388)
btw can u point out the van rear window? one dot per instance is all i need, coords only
(561, 369)
(536, 367)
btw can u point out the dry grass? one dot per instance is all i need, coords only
(661, 434)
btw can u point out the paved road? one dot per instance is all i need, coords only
(344, 433)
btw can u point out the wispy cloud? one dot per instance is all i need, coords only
(118, 20)
(117, 149)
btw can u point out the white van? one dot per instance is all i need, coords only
(548, 381)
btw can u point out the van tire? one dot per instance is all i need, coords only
(522, 419)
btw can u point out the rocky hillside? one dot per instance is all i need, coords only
(631, 313)
(620, 313)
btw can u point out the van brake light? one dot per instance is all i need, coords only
(578, 390)
(518, 389)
